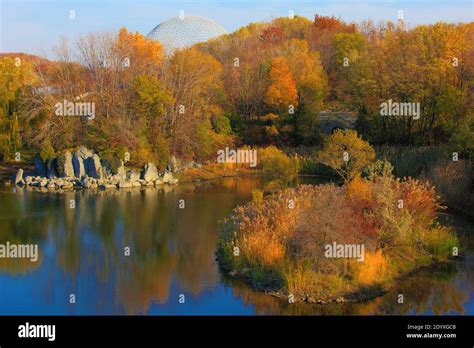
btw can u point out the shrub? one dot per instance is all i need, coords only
(59, 164)
(113, 158)
(257, 196)
(284, 235)
(439, 242)
(162, 151)
(221, 125)
(346, 142)
(204, 142)
(46, 151)
(375, 268)
(275, 163)
(143, 153)
(5, 151)
(379, 168)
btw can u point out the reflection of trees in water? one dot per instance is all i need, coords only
(443, 289)
(167, 243)
(24, 221)
(173, 245)
(170, 244)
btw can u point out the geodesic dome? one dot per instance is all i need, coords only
(177, 33)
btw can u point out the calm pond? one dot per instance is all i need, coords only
(172, 252)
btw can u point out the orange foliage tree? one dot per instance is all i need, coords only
(281, 92)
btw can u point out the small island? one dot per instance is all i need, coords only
(336, 243)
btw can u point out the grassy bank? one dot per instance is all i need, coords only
(215, 171)
(278, 243)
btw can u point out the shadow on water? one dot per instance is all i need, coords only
(172, 252)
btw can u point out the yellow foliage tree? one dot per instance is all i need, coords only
(347, 153)
(138, 49)
(14, 78)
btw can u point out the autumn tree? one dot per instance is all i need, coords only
(16, 76)
(321, 39)
(281, 92)
(420, 65)
(347, 153)
(193, 77)
(311, 83)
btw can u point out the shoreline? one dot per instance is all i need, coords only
(205, 173)
(371, 293)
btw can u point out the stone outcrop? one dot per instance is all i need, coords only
(133, 176)
(150, 173)
(124, 184)
(81, 163)
(166, 177)
(19, 177)
(85, 169)
(177, 165)
(67, 168)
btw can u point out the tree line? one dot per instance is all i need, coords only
(262, 84)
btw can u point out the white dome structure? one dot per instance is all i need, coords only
(176, 33)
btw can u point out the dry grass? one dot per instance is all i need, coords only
(375, 269)
(285, 234)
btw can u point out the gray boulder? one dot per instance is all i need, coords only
(176, 164)
(88, 182)
(19, 177)
(167, 177)
(133, 176)
(67, 185)
(81, 166)
(84, 152)
(68, 168)
(150, 173)
(124, 184)
(122, 171)
(173, 164)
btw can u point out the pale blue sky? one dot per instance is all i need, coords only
(35, 26)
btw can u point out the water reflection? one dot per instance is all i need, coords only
(443, 289)
(172, 252)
